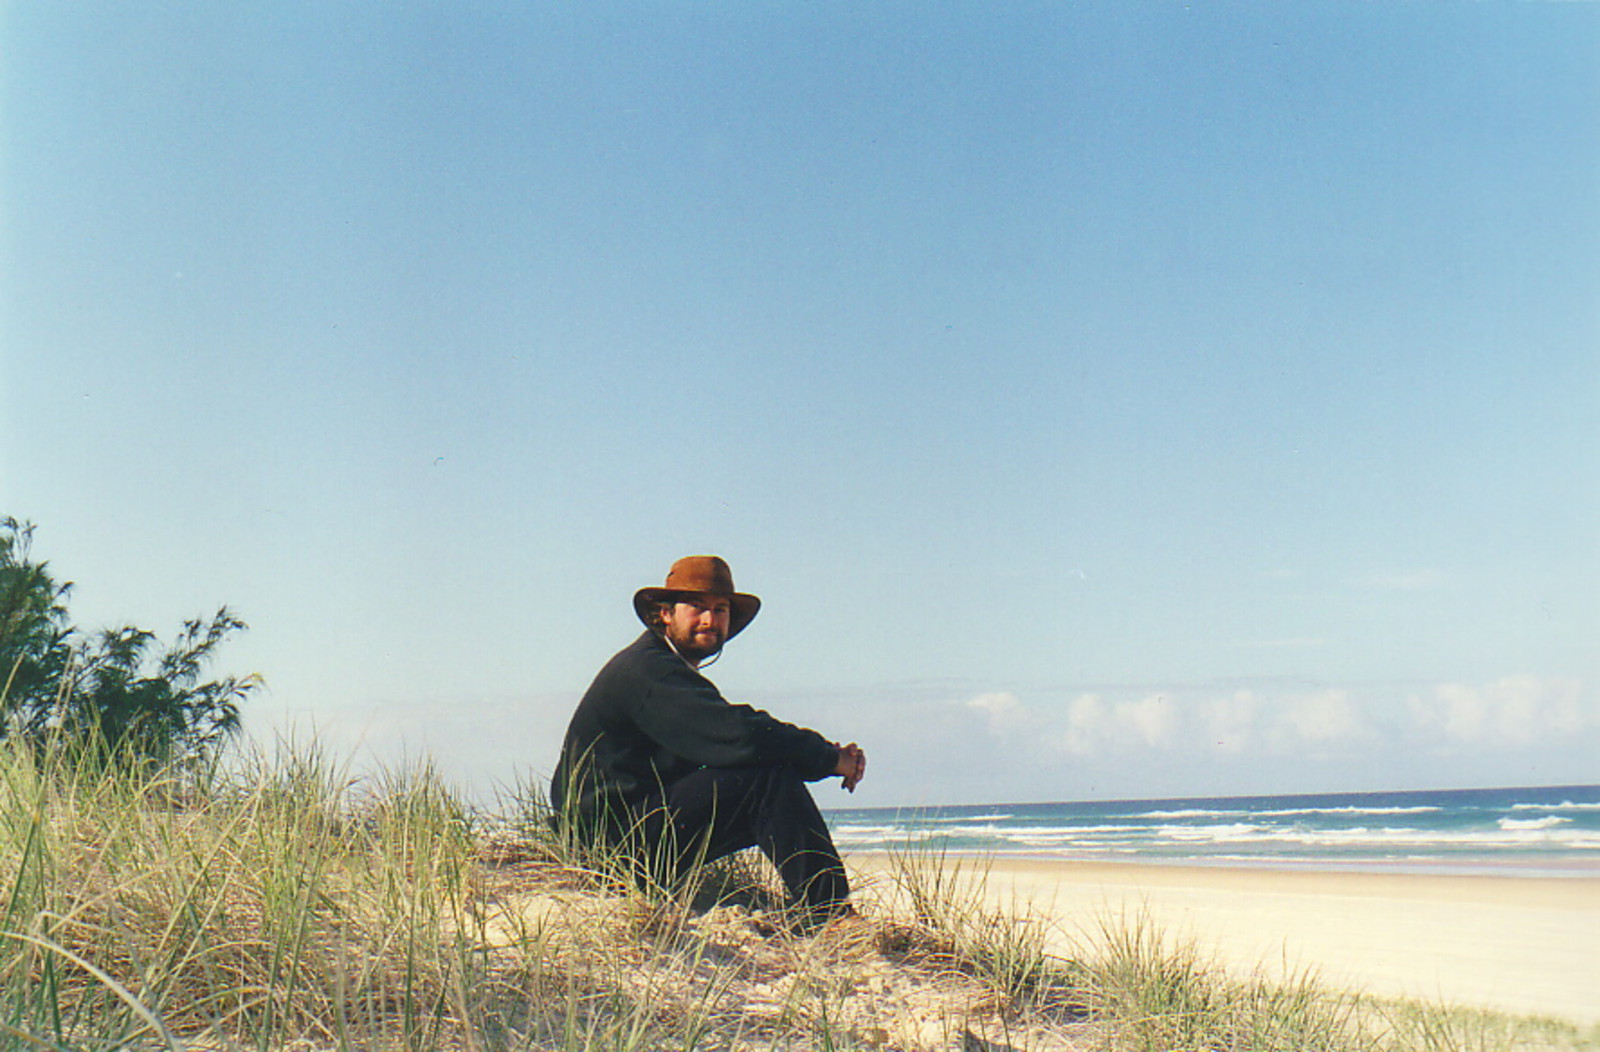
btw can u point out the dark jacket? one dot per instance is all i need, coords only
(649, 719)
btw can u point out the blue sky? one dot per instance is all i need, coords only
(1106, 400)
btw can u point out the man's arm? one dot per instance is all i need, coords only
(684, 713)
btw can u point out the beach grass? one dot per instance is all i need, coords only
(283, 901)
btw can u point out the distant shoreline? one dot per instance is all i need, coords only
(1580, 788)
(1486, 868)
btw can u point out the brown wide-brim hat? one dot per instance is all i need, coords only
(696, 575)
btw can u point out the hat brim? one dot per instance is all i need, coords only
(742, 606)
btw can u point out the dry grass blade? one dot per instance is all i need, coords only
(138, 1007)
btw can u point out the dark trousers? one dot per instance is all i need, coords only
(716, 811)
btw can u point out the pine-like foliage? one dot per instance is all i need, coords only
(117, 690)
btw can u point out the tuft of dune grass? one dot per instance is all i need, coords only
(284, 902)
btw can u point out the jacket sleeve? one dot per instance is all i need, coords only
(686, 715)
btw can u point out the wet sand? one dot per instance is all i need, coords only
(1526, 945)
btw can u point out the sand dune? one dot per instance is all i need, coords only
(1525, 945)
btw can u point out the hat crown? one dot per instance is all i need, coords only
(701, 573)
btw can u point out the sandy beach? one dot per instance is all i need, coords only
(1515, 944)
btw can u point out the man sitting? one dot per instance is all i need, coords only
(657, 763)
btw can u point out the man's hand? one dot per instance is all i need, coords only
(852, 765)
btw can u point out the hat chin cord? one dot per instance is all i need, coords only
(712, 660)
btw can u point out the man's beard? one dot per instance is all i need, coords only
(692, 649)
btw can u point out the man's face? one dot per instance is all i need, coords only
(697, 626)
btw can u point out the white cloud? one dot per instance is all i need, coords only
(1094, 726)
(1234, 723)
(1513, 711)
(1317, 725)
(1151, 718)
(1086, 722)
(1003, 709)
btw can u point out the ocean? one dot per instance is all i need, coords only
(1544, 832)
